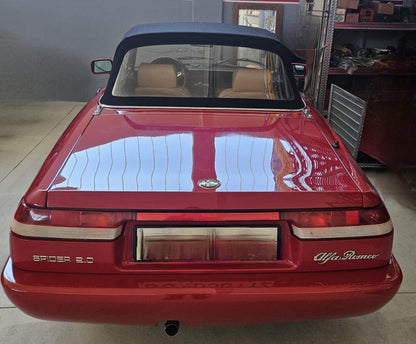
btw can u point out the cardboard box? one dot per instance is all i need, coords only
(385, 8)
(382, 8)
(352, 17)
(353, 4)
(340, 15)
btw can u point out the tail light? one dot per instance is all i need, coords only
(69, 224)
(100, 225)
(339, 223)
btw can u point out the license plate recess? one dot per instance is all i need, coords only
(206, 244)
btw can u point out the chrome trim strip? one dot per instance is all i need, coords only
(343, 232)
(56, 232)
(139, 243)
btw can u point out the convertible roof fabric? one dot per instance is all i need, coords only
(200, 28)
(201, 33)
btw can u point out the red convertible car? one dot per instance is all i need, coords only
(200, 187)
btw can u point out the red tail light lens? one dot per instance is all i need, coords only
(336, 218)
(69, 224)
(339, 223)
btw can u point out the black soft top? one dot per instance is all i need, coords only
(200, 28)
(201, 33)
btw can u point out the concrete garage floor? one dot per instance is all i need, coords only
(28, 131)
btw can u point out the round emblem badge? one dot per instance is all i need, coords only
(209, 183)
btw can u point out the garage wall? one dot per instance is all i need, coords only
(289, 25)
(46, 45)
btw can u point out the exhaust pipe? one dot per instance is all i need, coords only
(171, 327)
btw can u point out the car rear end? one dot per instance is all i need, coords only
(207, 209)
(200, 267)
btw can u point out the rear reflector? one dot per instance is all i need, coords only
(207, 244)
(69, 224)
(339, 223)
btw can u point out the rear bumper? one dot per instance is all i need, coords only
(201, 299)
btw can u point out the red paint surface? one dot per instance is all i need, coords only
(201, 299)
(117, 256)
(303, 169)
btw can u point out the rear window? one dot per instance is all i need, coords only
(202, 71)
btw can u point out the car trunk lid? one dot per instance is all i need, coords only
(150, 159)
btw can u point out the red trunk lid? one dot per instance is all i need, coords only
(153, 160)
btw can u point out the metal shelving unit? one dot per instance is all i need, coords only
(370, 72)
(376, 26)
(327, 35)
(387, 81)
(323, 52)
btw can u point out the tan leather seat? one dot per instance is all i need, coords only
(247, 83)
(158, 80)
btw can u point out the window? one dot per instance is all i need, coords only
(202, 71)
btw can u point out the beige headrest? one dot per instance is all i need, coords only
(156, 76)
(249, 80)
